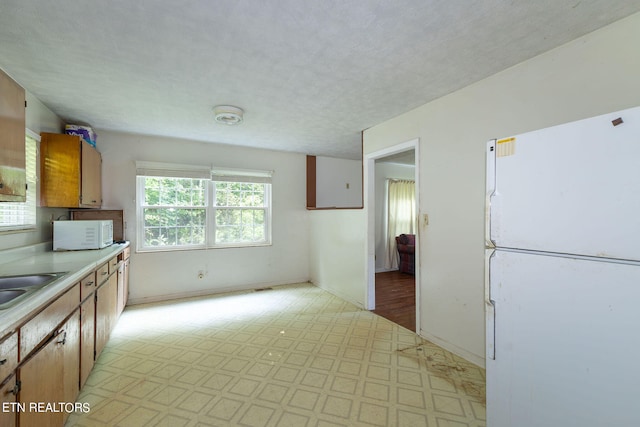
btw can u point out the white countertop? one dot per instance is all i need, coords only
(77, 264)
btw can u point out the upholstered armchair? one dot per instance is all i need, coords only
(406, 244)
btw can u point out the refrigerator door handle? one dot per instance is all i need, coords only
(490, 308)
(491, 329)
(491, 190)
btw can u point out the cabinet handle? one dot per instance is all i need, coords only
(104, 273)
(16, 388)
(64, 337)
(89, 284)
(3, 361)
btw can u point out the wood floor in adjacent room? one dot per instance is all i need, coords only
(396, 298)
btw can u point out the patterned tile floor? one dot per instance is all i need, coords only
(294, 356)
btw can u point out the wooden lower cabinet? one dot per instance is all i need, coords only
(87, 337)
(8, 356)
(106, 311)
(41, 382)
(123, 284)
(49, 378)
(71, 357)
(47, 359)
(123, 279)
(8, 400)
(125, 296)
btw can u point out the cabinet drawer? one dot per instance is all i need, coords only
(126, 253)
(8, 356)
(113, 265)
(102, 273)
(39, 327)
(87, 286)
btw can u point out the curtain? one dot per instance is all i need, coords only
(401, 216)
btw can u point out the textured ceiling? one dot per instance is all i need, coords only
(310, 74)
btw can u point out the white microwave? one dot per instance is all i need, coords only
(82, 234)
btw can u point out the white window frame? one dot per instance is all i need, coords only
(211, 175)
(25, 213)
(249, 177)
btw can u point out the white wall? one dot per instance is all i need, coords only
(337, 242)
(332, 178)
(386, 171)
(171, 274)
(38, 119)
(592, 75)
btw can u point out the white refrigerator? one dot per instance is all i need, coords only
(562, 291)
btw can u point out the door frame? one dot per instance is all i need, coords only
(369, 161)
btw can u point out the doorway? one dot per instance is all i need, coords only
(391, 293)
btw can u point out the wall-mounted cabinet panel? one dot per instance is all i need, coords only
(13, 175)
(334, 183)
(71, 171)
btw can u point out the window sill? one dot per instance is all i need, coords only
(191, 248)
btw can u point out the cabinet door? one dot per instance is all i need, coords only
(60, 170)
(41, 382)
(71, 359)
(87, 337)
(52, 375)
(121, 290)
(125, 296)
(8, 400)
(106, 311)
(12, 152)
(91, 187)
(8, 356)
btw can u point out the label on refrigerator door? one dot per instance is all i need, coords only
(505, 147)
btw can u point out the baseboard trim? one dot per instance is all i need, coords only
(340, 295)
(466, 355)
(206, 292)
(386, 270)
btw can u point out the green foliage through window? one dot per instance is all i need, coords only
(240, 212)
(175, 213)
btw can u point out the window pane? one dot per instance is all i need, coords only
(240, 194)
(174, 212)
(240, 225)
(221, 195)
(174, 227)
(175, 192)
(152, 237)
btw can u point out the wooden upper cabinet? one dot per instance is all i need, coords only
(71, 172)
(13, 175)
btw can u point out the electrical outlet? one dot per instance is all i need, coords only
(200, 274)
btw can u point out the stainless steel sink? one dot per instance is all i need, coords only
(10, 295)
(28, 280)
(12, 288)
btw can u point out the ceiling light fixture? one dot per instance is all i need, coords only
(228, 114)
